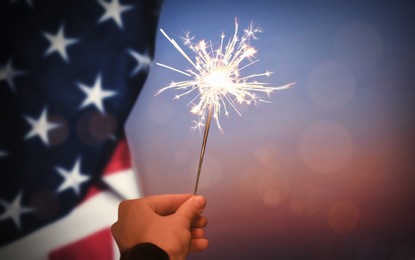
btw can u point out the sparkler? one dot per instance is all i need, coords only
(215, 77)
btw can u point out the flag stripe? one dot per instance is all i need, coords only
(95, 246)
(102, 208)
(120, 160)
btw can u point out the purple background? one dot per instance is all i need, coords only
(325, 171)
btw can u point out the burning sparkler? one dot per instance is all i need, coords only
(215, 77)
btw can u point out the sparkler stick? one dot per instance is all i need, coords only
(215, 76)
(202, 151)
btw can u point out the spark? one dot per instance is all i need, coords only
(216, 80)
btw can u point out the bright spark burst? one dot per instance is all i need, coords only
(216, 75)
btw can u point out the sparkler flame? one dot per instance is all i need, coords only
(215, 76)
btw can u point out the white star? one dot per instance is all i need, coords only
(143, 61)
(58, 43)
(95, 94)
(113, 10)
(7, 73)
(72, 179)
(41, 127)
(3, 153)
(14, 210)
(29, 2)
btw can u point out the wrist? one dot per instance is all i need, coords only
(145, 251)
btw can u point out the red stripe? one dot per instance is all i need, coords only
(120, 160)
(92, 191)
(96, 246)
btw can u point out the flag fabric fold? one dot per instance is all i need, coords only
(70, 72)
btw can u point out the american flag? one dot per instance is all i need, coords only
(70, 72)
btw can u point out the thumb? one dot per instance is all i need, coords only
(190, 209)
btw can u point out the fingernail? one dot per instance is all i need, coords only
(199, 201)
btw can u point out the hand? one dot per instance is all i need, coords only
(172, 222)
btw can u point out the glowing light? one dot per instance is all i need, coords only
(215, 77)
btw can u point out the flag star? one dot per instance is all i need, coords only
(73, 178)
(143, 61)
(3, 153)
(41, 127)
(95, 94)
(7, 73)
(29, 2)
(14, 210)
(58, 43)
(113, 10)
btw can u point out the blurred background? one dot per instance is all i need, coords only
(325, 171)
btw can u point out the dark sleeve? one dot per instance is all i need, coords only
(145, 251)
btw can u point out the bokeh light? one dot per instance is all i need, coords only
(46, 203)
(298, 196)
(343, 217)
(60, 134)
(318, 202)
(326, 147)
(102, 126)
(94, 127)
(331, 85)
(266, 155)
(273, 187)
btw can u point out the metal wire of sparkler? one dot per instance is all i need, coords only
(216, 77)
(202, 150)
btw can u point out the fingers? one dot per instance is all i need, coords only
(166, 204)
(190, 210)
(199, 222)
(198, 245)
(197, 233)
(115, 230)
